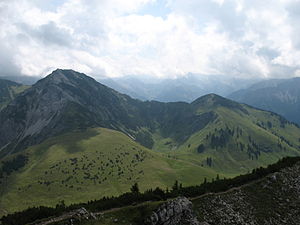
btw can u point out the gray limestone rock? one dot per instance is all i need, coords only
(174, 212)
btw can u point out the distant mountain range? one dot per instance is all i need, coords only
(69, 137)
(187, 88)
(280, 96)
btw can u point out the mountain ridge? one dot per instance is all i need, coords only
(8, 91)
(50, 97)
(279, 96)
(68, 92)
(186, 88)
(66, 100)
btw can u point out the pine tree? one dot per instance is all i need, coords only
(175, 186)
(135, 188)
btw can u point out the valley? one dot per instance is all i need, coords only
(71, 138)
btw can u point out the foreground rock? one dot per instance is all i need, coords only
(174, 212)
(74, 217)
(274, 200)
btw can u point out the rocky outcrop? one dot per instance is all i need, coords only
(81, 215)
(74, 217)
(274, 200)
(174, 212)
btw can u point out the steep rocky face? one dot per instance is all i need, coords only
(62, 101)
(174, 212)
(274, 200)
(66, 100)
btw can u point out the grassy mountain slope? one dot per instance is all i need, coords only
(9, 90)
(86, 165)
(238, 140)
(261, 201)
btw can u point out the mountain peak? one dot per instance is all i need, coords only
(213, 100)
(62, 77)
(65, 75)
(209, 99)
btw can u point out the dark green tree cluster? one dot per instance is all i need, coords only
(209, 161)
(13, 165)
(145, 139)
(221, 137)
(201, 148)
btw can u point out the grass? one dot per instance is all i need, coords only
(12, 92)
(86, 165)
(230, 160)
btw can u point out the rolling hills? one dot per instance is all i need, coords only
(80, 166)
(71, 138)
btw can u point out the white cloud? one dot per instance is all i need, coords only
(111, 37)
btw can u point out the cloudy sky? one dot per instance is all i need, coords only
(163, 38)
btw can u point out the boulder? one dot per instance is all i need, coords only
(174, 212)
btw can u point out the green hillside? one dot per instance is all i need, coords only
(9, 90)
(256, 202)
(239, 139)
(86, 165)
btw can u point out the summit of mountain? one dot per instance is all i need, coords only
(60, 102)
